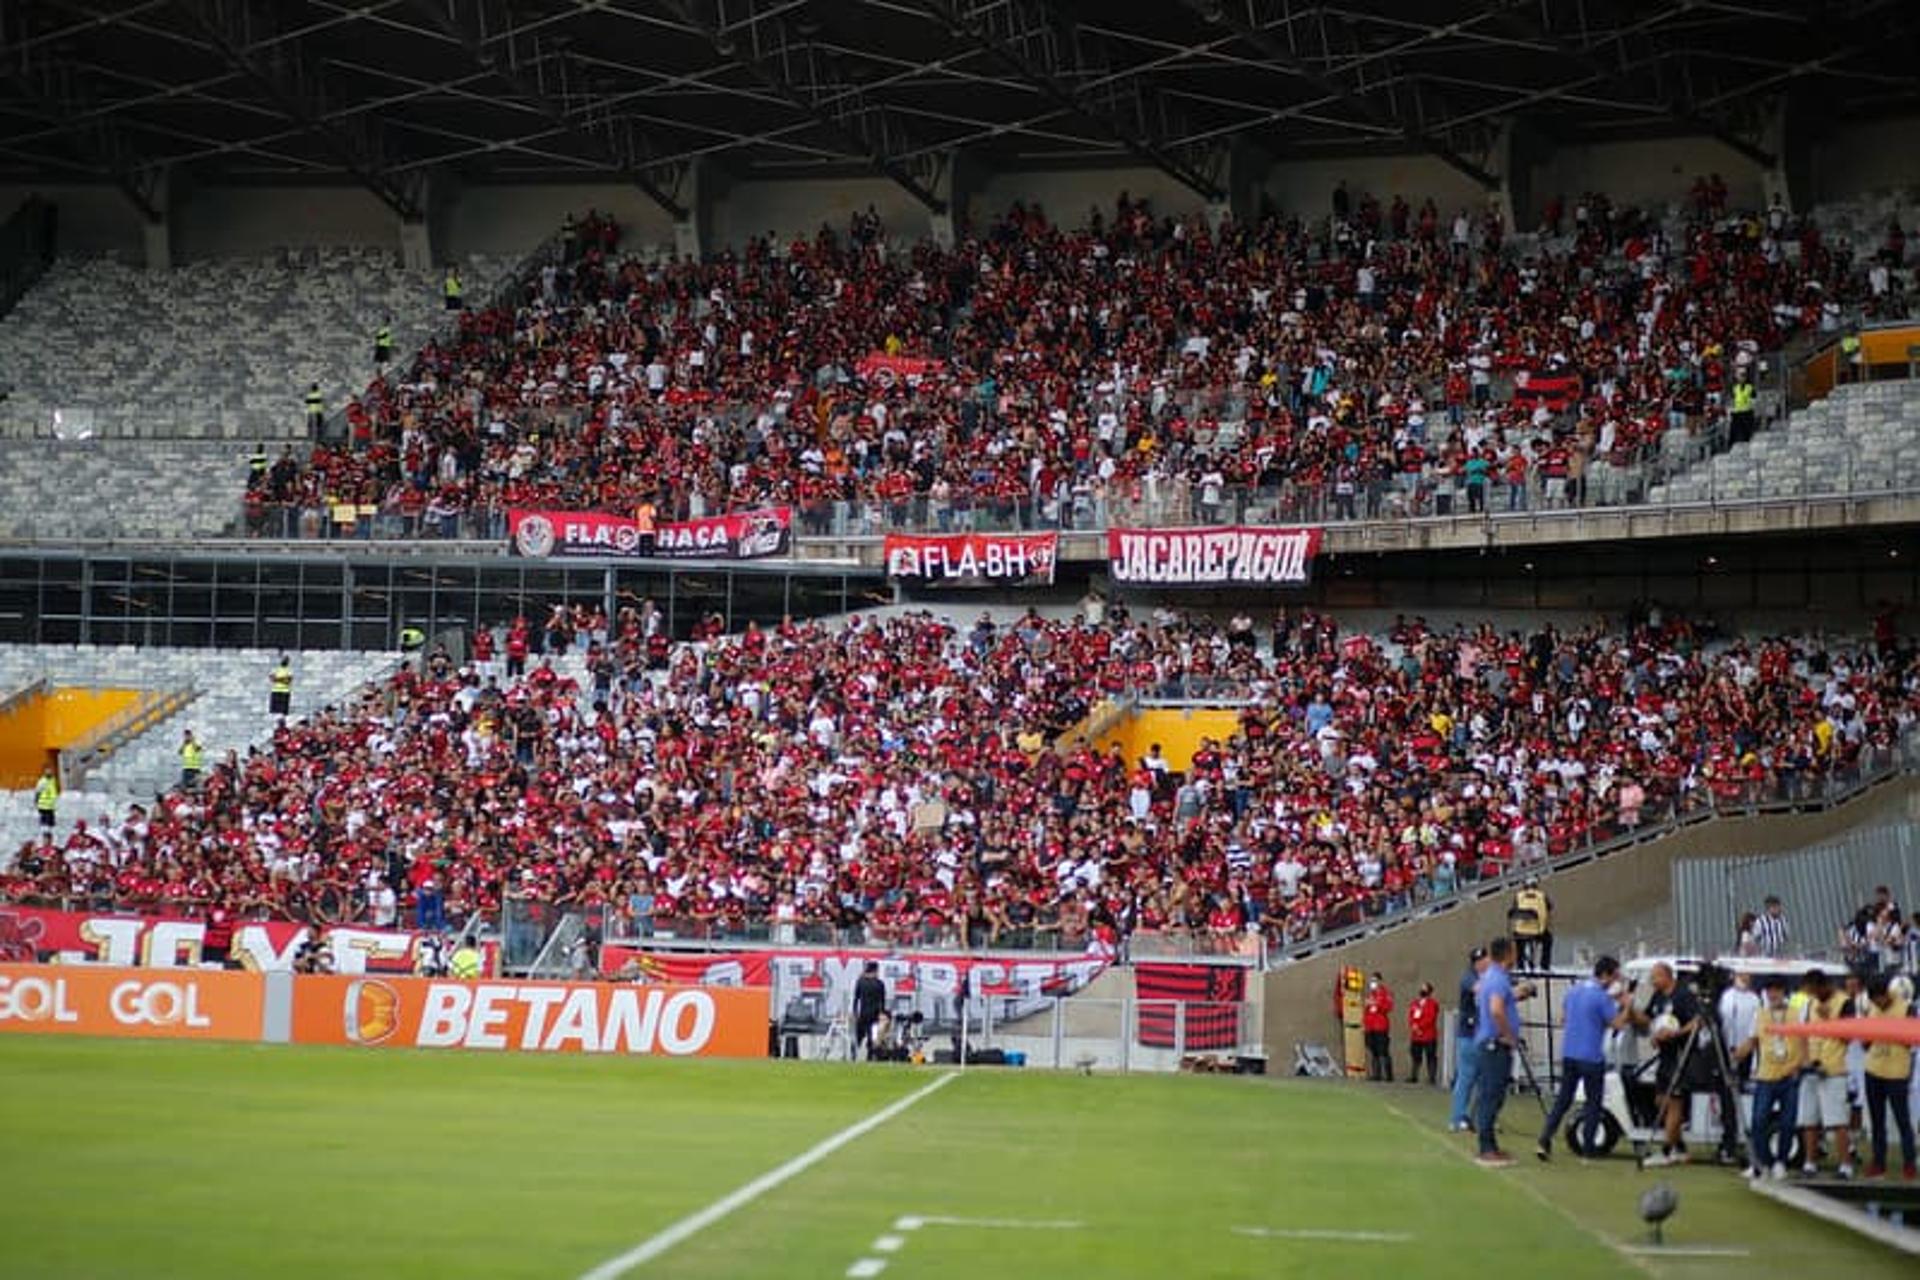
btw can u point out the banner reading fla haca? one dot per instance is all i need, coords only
(743, 535)
(1232, 555)
(953, 559)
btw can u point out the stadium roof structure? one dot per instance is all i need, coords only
(387, 92)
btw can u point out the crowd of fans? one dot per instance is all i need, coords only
(905, 780)
(1141, 367)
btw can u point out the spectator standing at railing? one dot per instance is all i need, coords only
(1771, 933)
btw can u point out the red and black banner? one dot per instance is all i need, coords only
(742, 535)
(1555, 390)
(960, 558)
(878, 366)
(1207, 995)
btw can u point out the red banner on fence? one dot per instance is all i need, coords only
(742, 535)
(1000, 558)
(1193, 1007)
(35, 933)
(1213, 557)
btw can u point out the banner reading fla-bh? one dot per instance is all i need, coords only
(1234, 554)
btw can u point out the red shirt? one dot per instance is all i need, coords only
(1378, 1014)
(1423, 1020)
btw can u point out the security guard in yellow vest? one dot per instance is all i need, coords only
(412, 639)
(453, 290)
(1777, 1062)
(383, 344)
(466, 963)
(257, 463)
(316, 410)
(193, 758)
(1531, 920)
(1743, 402)
(280, 689)
(1889, 1078)
(46, 798)
(1849, 358)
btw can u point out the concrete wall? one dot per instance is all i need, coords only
(1305, 187)
(1586, 901)
(797, 208)
(95, 219)
(1067, 196)
(1648, 172)
(236, 222)
(1866, 156)
(513, 219)
(1178, 732)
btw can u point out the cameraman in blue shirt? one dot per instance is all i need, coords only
(1592, 1010)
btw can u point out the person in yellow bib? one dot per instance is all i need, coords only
(1889, 1079)
(193, 758)
(1777, 1062)
(466, 963)
(46, 798)
(1823, 1087)
(280, 689)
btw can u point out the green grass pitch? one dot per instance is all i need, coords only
(164, 1160)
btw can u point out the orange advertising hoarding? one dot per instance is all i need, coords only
(549, 1017)
(183, 1004)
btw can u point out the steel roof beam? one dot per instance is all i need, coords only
(541, 75)
(52, 92)
(783, 56)
(246, 34)
(1047, 52)
(1322, 75)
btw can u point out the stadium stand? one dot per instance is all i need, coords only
(227, 712)
(1140, 368)
(891, 780)
(1858, 440)
(222, 348)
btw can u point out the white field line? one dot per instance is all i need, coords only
(1527, 1189)
(867, 1267)
(1684, 1251)
(658, 1243)
(1316, 1233)
(918, 1221)
(888, 1244)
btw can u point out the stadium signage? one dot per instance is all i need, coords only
(80, 1000)
(973, 557)
(1213, 557)
(543, 1017)
(742, 535)
(28, 933)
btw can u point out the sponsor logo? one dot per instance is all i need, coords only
(140, 1003)
(593, 1019)
(372, 1011)
(534, 536)
(35, 1000)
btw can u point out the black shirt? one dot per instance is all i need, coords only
(1684, 1006)
(1468, 1017)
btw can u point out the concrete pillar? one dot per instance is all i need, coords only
(1248, 167)
(416, 245)
(700, 194)
(1790, 135)
(156, 234)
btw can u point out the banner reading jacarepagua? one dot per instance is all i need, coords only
(952, 558)
(544, 1017)
(1213, 557)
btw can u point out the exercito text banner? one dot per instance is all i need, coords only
(542, 1017)
(35, 933)
(82, 1001)
(1248, 554)
(1021, 985)
(742, 535)
(958, 558)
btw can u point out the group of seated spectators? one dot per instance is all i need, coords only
(906, 780)
(1139, 369)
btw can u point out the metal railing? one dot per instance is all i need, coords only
(1781, 791)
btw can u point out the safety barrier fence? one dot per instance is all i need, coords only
(1820, 889)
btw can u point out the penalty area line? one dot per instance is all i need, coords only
(1319, 1233)
(658, 1243)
